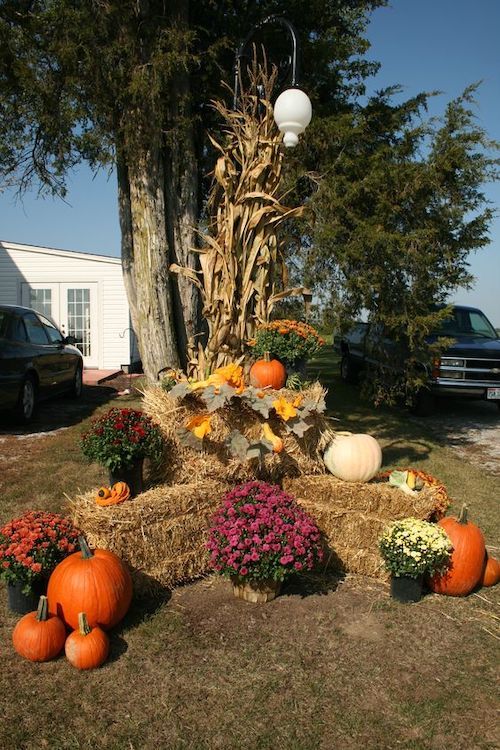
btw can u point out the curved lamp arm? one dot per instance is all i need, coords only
(241, 50)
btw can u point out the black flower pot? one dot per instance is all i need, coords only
(131, 474)
(21, 603)
(405, 589)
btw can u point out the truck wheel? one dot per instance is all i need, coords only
(347, 370)
(423, 404)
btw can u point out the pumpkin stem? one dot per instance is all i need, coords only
(86, 551)
(42, 612)
(267, 356)
(463, 514)
(83, 624)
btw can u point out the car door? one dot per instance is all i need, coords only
(64, 364)
(15, 355)
(46, 359)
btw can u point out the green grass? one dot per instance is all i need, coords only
(325, 666)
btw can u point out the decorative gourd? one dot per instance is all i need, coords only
(268, 373)
(39, 636)
(269, 435)
(87, 647)
(353, 458)
(97, 583)
(467, 558)
(117, 494)
(491, 571)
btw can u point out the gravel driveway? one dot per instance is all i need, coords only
(472, 429)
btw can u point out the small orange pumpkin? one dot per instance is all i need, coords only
(491, 571)
(117, 494)
(86, 648)
(39, 636)
(268, 373)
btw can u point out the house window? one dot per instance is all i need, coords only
(79, 318)
(41, 301)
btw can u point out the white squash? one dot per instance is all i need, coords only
(353, 458)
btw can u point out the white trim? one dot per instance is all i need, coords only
(62, 253)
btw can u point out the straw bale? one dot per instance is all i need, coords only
(160, 534)
(353, 515)
(181, 463)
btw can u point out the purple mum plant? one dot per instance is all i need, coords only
(260, 533)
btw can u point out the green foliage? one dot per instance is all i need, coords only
(399, 206)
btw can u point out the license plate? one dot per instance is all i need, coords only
(493, 393)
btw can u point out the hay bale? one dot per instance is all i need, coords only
(353, 515)
(160, 534)
(182, 462)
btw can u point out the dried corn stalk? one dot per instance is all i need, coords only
(242, 258)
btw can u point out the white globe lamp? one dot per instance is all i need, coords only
(292, 114)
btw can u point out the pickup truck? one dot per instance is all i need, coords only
(470, 368)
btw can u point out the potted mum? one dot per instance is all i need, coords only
(290, 341)
(120, 440)
(30, 548)
(411, 549)
(258, 537)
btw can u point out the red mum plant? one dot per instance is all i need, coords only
(120, 437)
(32, 545)
(260, 533)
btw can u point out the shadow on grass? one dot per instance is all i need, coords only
(312, 584)
(59, 412)
(406, 437)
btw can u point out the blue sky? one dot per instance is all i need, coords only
(423, 45)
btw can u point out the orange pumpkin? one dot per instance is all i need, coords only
(268, 373)
(491, 571)
(97, 583)
(39, 636)
(86, 648)
(467, 558)
(117, 494)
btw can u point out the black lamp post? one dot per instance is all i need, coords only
(292, 109)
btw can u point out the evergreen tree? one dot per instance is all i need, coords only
(130, 83)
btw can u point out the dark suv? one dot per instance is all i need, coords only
(36, 361)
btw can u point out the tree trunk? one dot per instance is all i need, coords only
(146, 260)
(182, 195)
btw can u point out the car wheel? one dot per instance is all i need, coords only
(26, 403)
(77, 385)
(347, 370)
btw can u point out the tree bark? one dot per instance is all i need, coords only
(145, 258)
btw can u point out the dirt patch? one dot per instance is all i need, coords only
(471, 429)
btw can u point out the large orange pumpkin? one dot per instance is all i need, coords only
(97, 583)
(467, 558)
(39, 636)
(491, 571)
(268, 373)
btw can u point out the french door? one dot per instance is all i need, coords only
(74, 308)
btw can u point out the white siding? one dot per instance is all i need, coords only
(26, 263)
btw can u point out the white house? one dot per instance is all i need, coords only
(83, 293)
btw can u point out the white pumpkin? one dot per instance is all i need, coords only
(353, 458)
